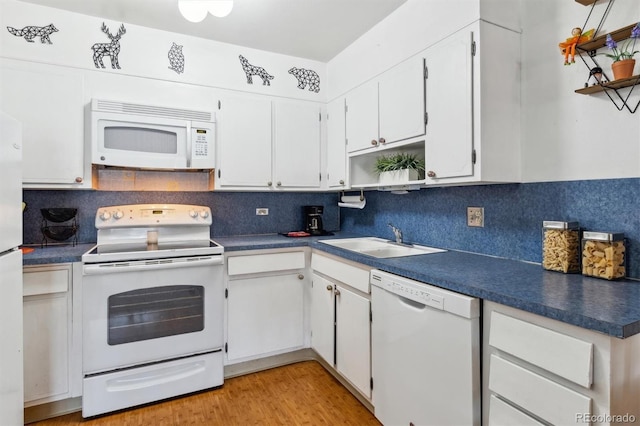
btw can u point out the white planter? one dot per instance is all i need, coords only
(398, 177)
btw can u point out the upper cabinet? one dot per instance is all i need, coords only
(473, 105)
(48, 101)
(388, 109)
(267, 144)
(336, 145)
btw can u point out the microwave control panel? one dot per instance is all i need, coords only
(202, 146)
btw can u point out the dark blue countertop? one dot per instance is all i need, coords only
(610, 307)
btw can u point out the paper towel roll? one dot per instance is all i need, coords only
(352, 202)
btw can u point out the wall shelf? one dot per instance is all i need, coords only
(601, 41)
(616, 84)
(586, 2)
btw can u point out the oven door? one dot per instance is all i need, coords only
(147, 311)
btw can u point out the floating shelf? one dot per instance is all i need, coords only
(601, 41)
(616, 84)
(586, 2)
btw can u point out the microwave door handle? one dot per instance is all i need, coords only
(189, 147)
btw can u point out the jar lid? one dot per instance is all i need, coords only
(551, 224)
(602, 236)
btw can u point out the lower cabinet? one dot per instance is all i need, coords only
(265, 304)
(340, 318)
(49, 355)
(541, 371)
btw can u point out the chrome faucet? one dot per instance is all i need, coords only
(397, 232)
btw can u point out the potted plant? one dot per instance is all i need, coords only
(623, 62)
(399, 168)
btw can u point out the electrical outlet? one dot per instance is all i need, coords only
(475, 216)
(262, 211)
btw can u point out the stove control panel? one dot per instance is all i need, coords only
(141, 215)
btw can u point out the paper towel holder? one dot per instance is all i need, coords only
(361, 195)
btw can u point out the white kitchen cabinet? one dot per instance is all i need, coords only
(387, 109)
(473, 106)
(264, 304)
(49, 102)
(336, 145)
(48, 333)
(268, 144)
(341, 318)
(537, 369)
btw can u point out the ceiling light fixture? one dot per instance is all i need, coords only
(196, 10)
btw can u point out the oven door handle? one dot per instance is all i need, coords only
(155, 264)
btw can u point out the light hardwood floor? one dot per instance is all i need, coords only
(298, 394)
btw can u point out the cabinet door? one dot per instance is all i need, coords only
(402, 101)
(47, 335)
(48, 101)
(449, 140)
(353, 338)
(244, 143)
(336, 147)
(264, 315)
(362, 116)
(322, 318)
(297, 144)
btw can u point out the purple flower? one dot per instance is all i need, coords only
(635, 32)
(611, 43)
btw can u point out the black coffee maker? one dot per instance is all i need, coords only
(313, 220)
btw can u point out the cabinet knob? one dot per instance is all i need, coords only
(279, 183)
(337, 292)
(300, 277)
(329, 287)
(431, 174)
(79, 179)
(341, 181)
(374, 142)
(269, 183)
(382, 141)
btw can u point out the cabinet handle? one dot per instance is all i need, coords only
(300, 277)
(329, 287)
(383, 141)
(79, 179)
(374, 142)
(269, 183)
(279, 183)
(337, 292)
(341, 182)
(431, 174)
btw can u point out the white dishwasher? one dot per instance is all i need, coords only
(425, 349)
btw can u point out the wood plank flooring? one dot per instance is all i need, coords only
(298, 394)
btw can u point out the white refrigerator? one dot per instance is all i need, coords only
(11, 381)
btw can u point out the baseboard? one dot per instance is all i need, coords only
(52, 409)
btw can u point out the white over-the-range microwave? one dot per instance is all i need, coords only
(151, 137)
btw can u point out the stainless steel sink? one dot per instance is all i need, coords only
(378, 247)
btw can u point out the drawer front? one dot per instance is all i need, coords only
(544, 398)
(558, 353)
(353, 276)
(258, 263)
(501, 413)
(35, 282)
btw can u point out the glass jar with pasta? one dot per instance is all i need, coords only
(603, 255)
(561, 246)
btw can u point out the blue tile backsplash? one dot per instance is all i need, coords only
(432, 216)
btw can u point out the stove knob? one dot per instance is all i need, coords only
(105, 215)
(118, 215)
(193, 213)
(204, 214)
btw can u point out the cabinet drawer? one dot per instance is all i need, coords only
(501, 413)
(253, 264)
(558, 353)
(351, 275)
(536, 394)
(45, 281)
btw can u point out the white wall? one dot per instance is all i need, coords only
(565, 136)
(144, 53)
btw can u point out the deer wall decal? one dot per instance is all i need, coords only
(100, 50)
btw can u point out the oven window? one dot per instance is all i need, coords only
(155, 312)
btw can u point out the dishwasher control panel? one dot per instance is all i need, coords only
(426, 294)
